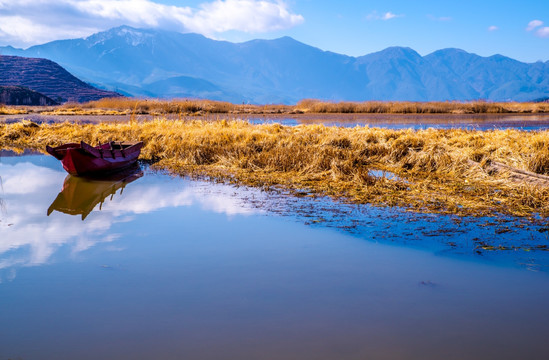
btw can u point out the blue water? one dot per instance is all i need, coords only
(484, 122)
(168, 268)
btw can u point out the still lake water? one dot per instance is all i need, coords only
(527, 122)
(167, 268)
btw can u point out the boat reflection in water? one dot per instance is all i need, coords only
(80, 195)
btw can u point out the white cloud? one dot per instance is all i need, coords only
(439, 18)
(389, 15)
(386, 16)
(534, 24)
(143, 12)
(543, 32)
(244, 15)
(30, 22)
(540, 31)
(493, 28)
(23, 31)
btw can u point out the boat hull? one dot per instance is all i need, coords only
(84, 159)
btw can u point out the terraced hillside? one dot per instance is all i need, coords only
(48, 78)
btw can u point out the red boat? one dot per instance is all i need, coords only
(84, 159)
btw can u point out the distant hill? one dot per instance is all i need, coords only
(169, 64)
(48, 78)
(19, 95)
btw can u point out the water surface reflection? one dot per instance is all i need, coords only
(80, 195)
(176, 269)
(527, 122)
(30, 238)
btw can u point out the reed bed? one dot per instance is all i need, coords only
(181, 106)
(403, 107)
(190, 106)
(445, 171)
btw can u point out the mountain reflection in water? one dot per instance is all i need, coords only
(80, 195)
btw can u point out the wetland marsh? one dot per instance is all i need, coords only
(266, 239)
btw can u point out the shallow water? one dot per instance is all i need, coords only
(167, 268)
(528, 122)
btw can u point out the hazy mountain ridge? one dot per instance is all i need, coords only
(169, 64)
(47, 78)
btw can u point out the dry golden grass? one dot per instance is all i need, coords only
(439, 170)
(182, 106)
(189, 107)
(403, 107)
(186, 107)
(78, 110)
(12, 110)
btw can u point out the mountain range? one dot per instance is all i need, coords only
(155, 63)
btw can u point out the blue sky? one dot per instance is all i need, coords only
(518, 29)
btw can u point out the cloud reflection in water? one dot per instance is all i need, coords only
(28, 237)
